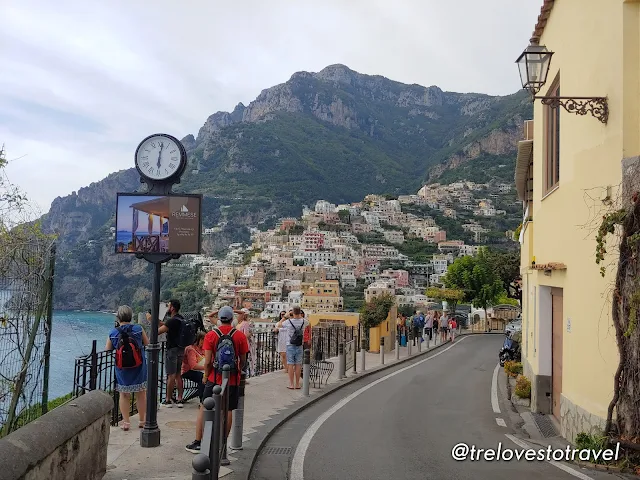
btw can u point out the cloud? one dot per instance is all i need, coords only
(83, 82)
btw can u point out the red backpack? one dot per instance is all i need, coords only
(128, 354)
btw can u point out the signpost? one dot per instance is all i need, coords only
(350, 355)
(173, 227)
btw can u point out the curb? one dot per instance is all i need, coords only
(288, 416)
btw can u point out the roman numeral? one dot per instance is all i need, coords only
(147, 150)
(150, 170)
(153, 144)
(173, 151)
(158, 172)
(145, 164)
(145, 157)
(174, 158)
(166, 171)
(171, 165)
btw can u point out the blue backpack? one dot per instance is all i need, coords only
(225, 351)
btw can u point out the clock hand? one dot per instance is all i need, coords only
(160, 153)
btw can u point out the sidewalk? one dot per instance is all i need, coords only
(266, 396)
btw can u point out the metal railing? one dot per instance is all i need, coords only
(206, 465)
(97, 371)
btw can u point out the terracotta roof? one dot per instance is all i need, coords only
(545, 11)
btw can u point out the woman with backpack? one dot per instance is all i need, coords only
(129, 340)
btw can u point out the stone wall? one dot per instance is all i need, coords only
(68, 443)
(576, 419)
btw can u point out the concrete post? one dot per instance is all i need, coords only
(381, 350)
(409, 340)
(342, 362)
(238, 416)
(306, 371)
(397, 347)
(419, 343)
(363, 354)
(200, 464)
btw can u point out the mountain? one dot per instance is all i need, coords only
(336, 135)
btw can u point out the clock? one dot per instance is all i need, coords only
(160, 157)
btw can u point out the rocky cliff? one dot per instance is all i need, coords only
(336, 134)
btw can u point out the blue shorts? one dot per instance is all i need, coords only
(294, 354)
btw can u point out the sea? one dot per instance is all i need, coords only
(123, 236)
(71, 336)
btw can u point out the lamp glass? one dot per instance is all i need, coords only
(534, 64)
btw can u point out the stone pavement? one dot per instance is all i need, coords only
(265, 397)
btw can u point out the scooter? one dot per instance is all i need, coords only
(510, 350)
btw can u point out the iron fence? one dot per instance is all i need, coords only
(97, 371)
(26, 286)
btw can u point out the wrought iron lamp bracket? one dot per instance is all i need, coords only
(598, 107)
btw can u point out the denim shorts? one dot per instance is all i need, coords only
(294, 354)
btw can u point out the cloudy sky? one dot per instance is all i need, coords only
(84, 81)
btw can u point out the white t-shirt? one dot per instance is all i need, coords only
(291, 324)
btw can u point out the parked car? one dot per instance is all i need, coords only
(513, 326)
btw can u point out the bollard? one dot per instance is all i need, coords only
(210, 445)
(363, 354)
(200, 464)
(419, 343)
(223, 417)
(342, 362)
(409, 340)
(397, 348)
(381, 350)
(238, 416)
(306, 371)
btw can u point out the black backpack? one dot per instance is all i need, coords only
(188, 331)
(297, 337)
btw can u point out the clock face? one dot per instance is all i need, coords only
(158, 157)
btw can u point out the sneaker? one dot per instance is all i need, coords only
(193, 447)
(180, 403)
(167, 403)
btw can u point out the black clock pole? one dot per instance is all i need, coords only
(150, 434)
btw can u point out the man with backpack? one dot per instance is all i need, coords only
(295, 326)
(418, 327)
(223, 345)
(180, 335)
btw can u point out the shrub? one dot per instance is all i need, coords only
(523, 387)
(513, 369)
(591, 442)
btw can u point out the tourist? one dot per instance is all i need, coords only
(130, 380)
(294, 326)
(282, 341)
(418, 327)
(245, 326)
(436, 327)
(429, 325)
(213, 374)
(453, 325)
(193, 363)
(174, 353)
(444, 327)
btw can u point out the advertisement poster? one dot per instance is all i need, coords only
(158, 224)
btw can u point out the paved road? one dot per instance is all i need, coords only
(406, 425)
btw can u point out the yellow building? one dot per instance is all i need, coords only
(568, 166)
(322, 297)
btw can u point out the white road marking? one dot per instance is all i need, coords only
(494, 390)
(561, 466)
(297, 464)
(501, 422)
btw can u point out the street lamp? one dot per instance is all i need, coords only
(534, 64)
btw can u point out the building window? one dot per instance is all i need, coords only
(552, 140)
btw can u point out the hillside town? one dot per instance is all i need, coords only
(336, 252)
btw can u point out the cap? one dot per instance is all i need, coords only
(225, 313)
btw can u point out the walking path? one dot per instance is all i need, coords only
(266, 396)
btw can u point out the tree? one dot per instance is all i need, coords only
(375, 311)
(452, 296)
(507, 267)
(477, 278)
(345, 216)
